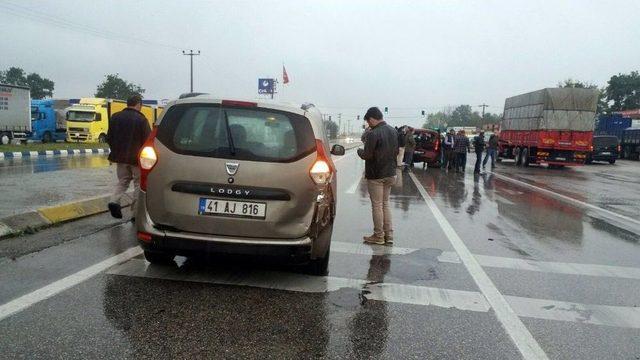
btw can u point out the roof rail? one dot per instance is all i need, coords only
(193, 94)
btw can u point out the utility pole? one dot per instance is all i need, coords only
(191, 54)
(339, 123)
(483, 106)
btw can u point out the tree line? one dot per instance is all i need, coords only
(112, 87)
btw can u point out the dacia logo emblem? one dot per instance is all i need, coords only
(232, 168)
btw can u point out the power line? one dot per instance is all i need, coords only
(41, 17)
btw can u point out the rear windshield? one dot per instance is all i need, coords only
(605, 141)
(236, 133)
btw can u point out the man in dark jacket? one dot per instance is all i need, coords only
(128, 130)
(380, 154)
(461, 147)
(478, 145)
(449, 155)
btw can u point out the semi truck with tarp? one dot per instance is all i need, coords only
(88, 121)
(48, 119)
(552, 126)
(15, 113)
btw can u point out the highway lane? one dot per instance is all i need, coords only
(569, 276)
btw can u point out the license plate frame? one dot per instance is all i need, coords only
(232, 208)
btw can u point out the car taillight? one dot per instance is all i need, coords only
(147, 159)
(323, 168)
(619, 148)
(591, 148)
(143, 236)
(437, 145)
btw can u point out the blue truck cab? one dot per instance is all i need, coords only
(48, 120)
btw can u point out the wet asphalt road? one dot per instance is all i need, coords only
(30, 183)
(569, 270)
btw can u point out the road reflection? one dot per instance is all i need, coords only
(19, 166)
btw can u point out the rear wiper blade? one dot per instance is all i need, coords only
(232, 147)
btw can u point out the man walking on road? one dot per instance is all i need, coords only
(461, 147)
(128, 130)
(478, 145)
(492, 150)
(401, 144)
(380, 155)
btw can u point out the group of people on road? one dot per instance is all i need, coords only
(386, 148)
(456, 146)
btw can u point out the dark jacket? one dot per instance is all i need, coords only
(493, 142)
(478, 143)
(401, 138)
(380, 152)
(409, 142)
(128, 130)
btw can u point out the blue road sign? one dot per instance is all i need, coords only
(265, 86)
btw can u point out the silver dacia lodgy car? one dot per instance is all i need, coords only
(226, 176)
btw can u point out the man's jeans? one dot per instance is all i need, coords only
(400, 158)
(492, 153)
(379, 190)
(478, 161)
(461, 161)
(126, 173)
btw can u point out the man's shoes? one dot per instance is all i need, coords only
(115, 210)
(373, 240)
(388, 240)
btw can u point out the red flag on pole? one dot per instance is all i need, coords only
(285, 76)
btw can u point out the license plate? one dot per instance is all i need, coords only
(229, 208)
(561, 159)
(606, 153)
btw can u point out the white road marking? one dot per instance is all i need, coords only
(76, 151)
(624, 272)
(564, 198)
(364, 249)
(33, 153)
(48, 152)
(23, 302)
(352, 189)
(400, 293)
(17, 154)
(64, 152)
(618, 316)
(520, 335)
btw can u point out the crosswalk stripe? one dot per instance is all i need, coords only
(617, 316)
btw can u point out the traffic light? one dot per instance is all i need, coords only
(422, 112)
(358, 117)
(329, 117)
(386, 109)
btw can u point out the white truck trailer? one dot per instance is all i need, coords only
(15, 113)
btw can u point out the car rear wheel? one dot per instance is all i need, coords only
(156, 257)
(612, 161)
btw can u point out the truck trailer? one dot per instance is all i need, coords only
(88, 121)
(48, 119)
(15, 113)
(552, 126)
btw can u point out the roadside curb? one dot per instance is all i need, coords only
(45, 217)
(62, 152)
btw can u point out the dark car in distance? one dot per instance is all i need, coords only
(604, 148)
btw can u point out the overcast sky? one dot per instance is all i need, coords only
(341, 55)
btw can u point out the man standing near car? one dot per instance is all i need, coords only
(461, 148)
(449, 155)
(409, 149)
(380, 155)
(128, 130)
(478, 146)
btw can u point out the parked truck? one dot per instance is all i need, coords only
(48, 119)
(630, 144)
(88, 121)
(15, 113)
(551, 126)
(612, 125)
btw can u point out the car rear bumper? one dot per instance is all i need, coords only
(185, 243)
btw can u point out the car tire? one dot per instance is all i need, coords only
(612, 161)
(46, 138)
(319, 266)
(156, 257)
